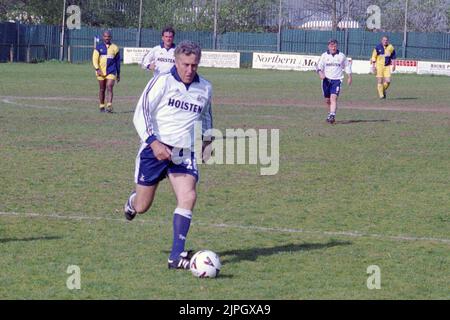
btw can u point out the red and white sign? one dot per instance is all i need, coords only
(406, 66)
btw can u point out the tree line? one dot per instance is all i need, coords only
(232, 15)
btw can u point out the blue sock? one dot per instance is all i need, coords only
(181, 223)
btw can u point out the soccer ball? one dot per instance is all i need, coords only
(205, 264)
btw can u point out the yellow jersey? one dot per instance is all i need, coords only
(383, 55)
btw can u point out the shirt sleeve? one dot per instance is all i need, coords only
(206, 117)
(373, 59)
(320, 64)
(147, 59)
(95, 56)
(393, 55)
(149, 100)
(118, 61)
(347, 66)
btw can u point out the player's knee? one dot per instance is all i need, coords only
(141, 207)
(187, 199)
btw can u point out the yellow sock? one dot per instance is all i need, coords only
(102, 106)
(386, 85)
(380, 88)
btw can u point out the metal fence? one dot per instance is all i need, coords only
(31, 43)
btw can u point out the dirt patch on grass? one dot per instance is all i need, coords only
(407, 105)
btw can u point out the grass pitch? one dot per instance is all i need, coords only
(371, 190)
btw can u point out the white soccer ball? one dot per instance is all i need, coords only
(205, 264)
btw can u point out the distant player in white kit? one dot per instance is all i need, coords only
(164, 118)
(161, 57)
(331, 67)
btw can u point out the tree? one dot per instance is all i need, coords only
(423, 15)
(32, 11)
(334, 10)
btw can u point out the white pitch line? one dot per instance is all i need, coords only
(352, 234)
(7, 101)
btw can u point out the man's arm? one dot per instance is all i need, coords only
(393, 59)
(95, 57)
(373, 60)
(149, 100)
(142, 120)
(320, 68)
(118, 64)
(207, 125)
(148, 61)
(349, 79)
(348, 71)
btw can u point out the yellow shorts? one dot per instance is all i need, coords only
(109, 76)
(383, 71)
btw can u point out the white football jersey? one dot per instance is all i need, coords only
(334, 65)
(168, 109)
(164, 59)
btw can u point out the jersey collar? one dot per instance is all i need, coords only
(175, 74)
(337, 52)
(162, 46)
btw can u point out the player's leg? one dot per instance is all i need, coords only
(387, 79)
(101, 94)
(333, 108)
(109, 89)
(149, 171)
(184, 187)
(380, 87)
(335, 88)
(140, 200)
(380, 76)
(386, 84)
(326, 90)
(328, 103)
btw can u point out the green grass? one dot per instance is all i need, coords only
(382, 173)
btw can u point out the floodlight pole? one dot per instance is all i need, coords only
(61, 45)
(405, 31)
(347, 26)
(138, 38)
(279, 26)
(215, 25)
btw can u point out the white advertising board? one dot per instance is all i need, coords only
(284, 61)
(218, 59)
(214, 59)
(437, 68)
(134, 55)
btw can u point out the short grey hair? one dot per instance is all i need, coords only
(188, 47)
(334, 41)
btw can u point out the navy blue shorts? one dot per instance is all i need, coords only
(149, 170)
(330, 87)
